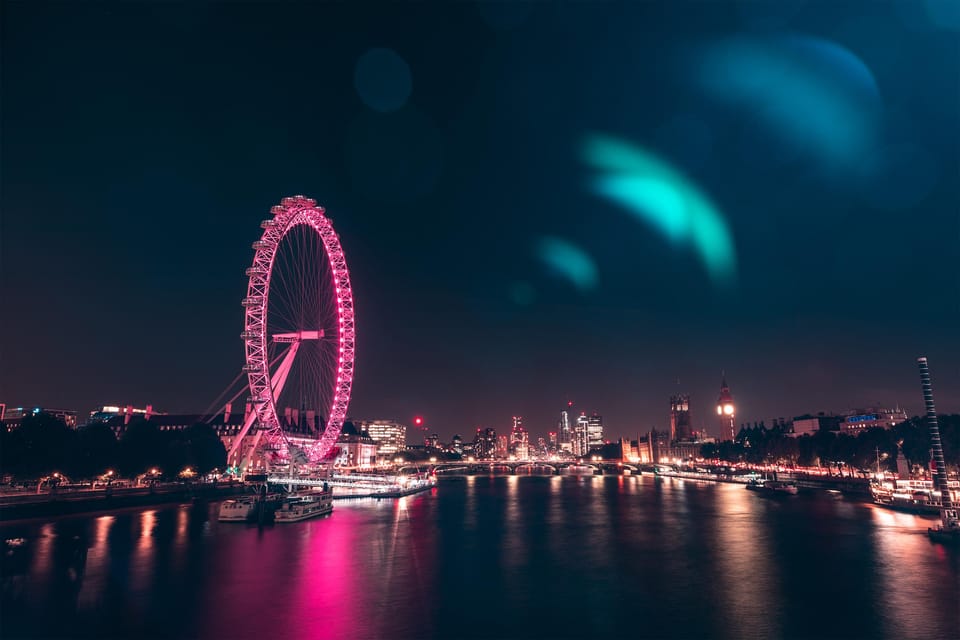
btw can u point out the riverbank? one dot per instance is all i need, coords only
(846, 485)
(24, 506)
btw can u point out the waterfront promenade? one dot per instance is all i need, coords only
(28, 502)
(804, 480)
(24, 503)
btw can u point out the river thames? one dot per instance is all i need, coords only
(492, 557)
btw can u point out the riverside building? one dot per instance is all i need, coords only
(389, 435)
(594, 431)
(680, 423)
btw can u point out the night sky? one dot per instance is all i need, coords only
(143, 143)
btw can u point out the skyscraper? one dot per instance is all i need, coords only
(564, 432)
(726, 412)
(680, 423)
(485, 443)
(580, 444)
(594, 431)
(519, 439)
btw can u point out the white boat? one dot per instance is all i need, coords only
(303, 506)
(773, 487)
(913, 496)
(780, 487)
(407, 485)
(238, 510)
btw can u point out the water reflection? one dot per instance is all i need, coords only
(750, 599)
(909, 566)
(97, 555)
(514, 543)
(537, 556)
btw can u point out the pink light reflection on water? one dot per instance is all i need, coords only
(908, 566)
(324, 603)
(294, 580)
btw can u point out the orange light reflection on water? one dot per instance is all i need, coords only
(907, 561)
(750, 598)
(95, 578)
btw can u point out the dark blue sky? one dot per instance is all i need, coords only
(144, 142)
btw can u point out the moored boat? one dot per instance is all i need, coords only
(303, 506)
(913, 496)
(773, 487)
(945, 535)
(237, 510)
(249, 508)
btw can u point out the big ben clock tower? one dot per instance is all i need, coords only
(726, 412)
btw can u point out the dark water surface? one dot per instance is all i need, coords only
(493, 557)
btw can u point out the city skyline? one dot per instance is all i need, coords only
(707, 425)
(497, 270)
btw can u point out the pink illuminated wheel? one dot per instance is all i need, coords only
(299, 332)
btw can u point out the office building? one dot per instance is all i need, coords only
(580, 444)
(356, 448)
(485, 444)
(594, 431)
(390, 436)
(564, 430)
(862, 419)
(519, 440)
(13, 416)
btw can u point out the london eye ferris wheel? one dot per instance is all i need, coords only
(298, 333)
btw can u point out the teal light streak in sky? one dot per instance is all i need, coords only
(656, 193)
(569, 261)
(811, 93)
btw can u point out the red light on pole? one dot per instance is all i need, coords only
(418, 421)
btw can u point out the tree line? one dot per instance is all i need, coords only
(760, 445)
(44, 444)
